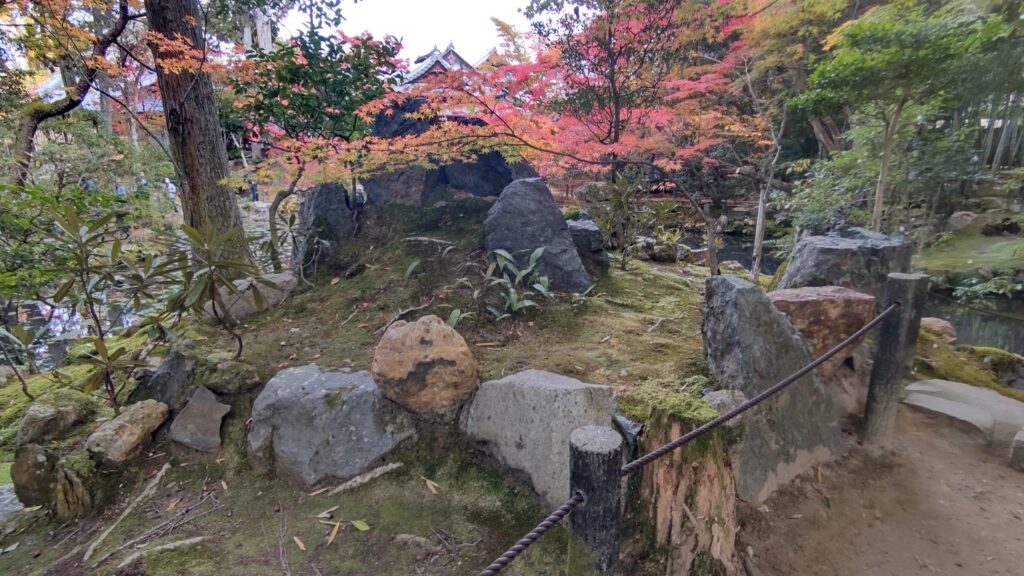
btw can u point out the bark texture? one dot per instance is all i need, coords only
(197, 142)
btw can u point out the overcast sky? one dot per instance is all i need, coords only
(423, 23)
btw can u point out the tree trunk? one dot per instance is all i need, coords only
(891, 126)
(275, 256)
(36, 111)
(190, 108)
(828, 135)
(990, 132)
(1005, 134)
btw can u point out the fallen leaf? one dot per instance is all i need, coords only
(224, 485)
(283, 343)
(327, 513)
(294, 356)
(361, 525)
(334, 533)
(431, 485)
(363, 326)
(605, 339)
(335, 280)
(219, 460)
(299, 543)
(172, 505)
(318, 492)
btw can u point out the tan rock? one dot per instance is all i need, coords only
(825, 316)
(941, 327)
(117, 441)
(425, 366)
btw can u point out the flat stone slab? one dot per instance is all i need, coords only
(974, 417)
(198, 425)
(1006, 414)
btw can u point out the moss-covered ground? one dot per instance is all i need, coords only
(638, 330)
(936, 359)
(968, 249)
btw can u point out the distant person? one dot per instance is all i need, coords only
(254, 190)
(89, 185)
(172, 193)
(140, 185)
(120, 189)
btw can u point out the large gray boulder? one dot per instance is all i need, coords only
(525, 218)
(312, 425)
(198, 425)
(589, 241)
(171, 383)
(326, 221)
(525, 420)
(749, 346)
(486, 175)
(856, 258)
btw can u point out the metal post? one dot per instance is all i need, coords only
(894, 357)
(595, 463)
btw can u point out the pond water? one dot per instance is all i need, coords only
(736, 247)
(997, 323)
(63, 327)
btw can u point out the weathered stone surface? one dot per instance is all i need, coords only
(240, 306)
(970, 404)
(979, 419)
(326, 222)
(34, 474)
(50, 417)
(647, 248)
(725, 400)
(485, 176)
(526, 419)
(1017, 451)
(749, 346)
(311, 425)
(825, 316)
(525, 218)
(198, 425)
(941, 327)
(230, 377)
(425, 366)
(960, 220)
(9, 503)
(171, 383)
(117, 441)
(81, 487)
(855, 258)
(589, 242)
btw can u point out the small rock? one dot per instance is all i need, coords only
(941, 327)
(230, 378)
(425, 366)
(117, 441)
(198, 424)
(960, 220)
(589, 241)
(419, 542)
(242, 305)
(50, 417)
(171, 384)
(34, 475)
(526, 420)
(1017, 451)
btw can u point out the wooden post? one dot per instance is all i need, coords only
(894, 357)
(595, 461)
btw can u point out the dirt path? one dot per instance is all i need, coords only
(941, 505)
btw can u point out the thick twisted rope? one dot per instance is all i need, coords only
(639, 463)
(532, 537)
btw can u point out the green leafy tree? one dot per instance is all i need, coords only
(895, 56)
(307, 89)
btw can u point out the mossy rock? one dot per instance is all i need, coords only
(229, 377)
(678, 400)
(936, 359)
(1009, 367)
(83, 486)
(52, 415)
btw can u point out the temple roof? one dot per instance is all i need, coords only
(437, 61)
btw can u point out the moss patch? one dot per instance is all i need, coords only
(936, 359)
(968, 249)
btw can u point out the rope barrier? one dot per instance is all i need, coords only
(525, 542)
(577, 498)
